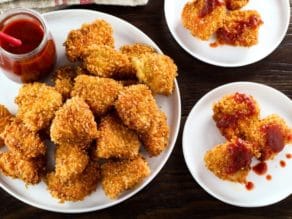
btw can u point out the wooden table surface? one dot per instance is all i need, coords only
(174, 193)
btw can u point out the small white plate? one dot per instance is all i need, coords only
(201, 134)
(60, 23)
(274, 13)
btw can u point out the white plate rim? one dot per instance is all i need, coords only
(184, 144)
(154, 173)
(231, 65)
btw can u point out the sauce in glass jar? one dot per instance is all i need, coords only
(36, 57)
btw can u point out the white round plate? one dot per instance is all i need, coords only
(60, 23)
(201, 134)
(274, 13)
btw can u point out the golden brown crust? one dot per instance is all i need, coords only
(37, 103)
(99, 93)
(116, 140)
(98, 32)
(74, 124)
(119, 176)
(5, 119)
(76, 189)
(235, 4)
(157, 71)
(137, 49)
(21, 141)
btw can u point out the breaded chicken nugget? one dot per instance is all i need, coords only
(155, 140)
(21, 141)
(37, 103)
(234, 114)
(203, 17)
(104, 61)
(99, 32)
(119, 176)
(74, 124)
(5, 119)
(157, 71)
(240, 28)
(116, 140)
(235, 4)
(137, 49)
(70, 161)
(30, 171)
(231, 160)
(98, 93)
(76, 189)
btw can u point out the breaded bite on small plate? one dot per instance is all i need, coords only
(37, 104)
(74, 124)
(235, 114)
(98, 32)
(235, 4)
(105, 61)
(70, 161)
(119, 176)
(22, 141)
(203, 17)
(240, 28)
(5, 119)
(76, 189)
(30, 171)
(231, 160)
(116, 140)
(98, 93)
(157, 71)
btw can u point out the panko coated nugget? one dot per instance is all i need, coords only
(76, 189)
(202, 20)
(30, 171)
(136, 49)
(106, 62)
(235, 4)
(70, 161)
(98, 93)
(157, 71)
(5, 119)
(119, 176)
(231, 160)
(98, 32)
(21, 141)
(116, 140)
(74, 124)
(37, 104)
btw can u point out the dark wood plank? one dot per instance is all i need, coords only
(174, 193)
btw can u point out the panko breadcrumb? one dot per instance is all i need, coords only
(70, 161)
(137, 49)
(21, 141)
(37, 103)
(235, 4)
(116, 140)
(119, 176)
(203, 18)
(104, 61)
(5, 119)
(30, 171)
(240, 28)
(76, 189)
(98, 32)
(98, 93)
(157, 71)
(230, 161)
(74, 124)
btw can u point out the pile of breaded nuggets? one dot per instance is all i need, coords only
(232, 26)
(98, 114)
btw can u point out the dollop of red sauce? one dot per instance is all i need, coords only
(269, 177)
(240, 156)
(289, 156)
(261, 168)
(249, 185)
(282, 163)
(209, 6)
(233, 35)
(275, 138)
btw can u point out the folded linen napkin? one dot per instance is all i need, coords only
(49, 5)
